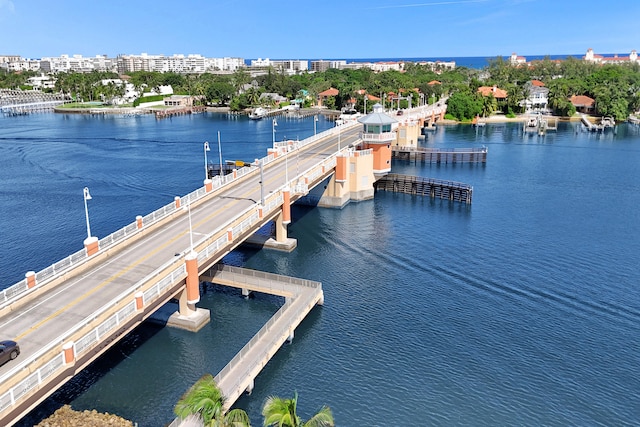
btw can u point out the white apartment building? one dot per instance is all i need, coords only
(289, 66)
(76, 63)
(193, 63)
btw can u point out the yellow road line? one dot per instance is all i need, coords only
(136, 263)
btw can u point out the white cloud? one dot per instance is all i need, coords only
(435, 3)
(6, 8)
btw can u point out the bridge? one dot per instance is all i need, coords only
(70, 313)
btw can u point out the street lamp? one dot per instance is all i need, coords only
(273, 131)
(206, 169)
(87, 196)
(220, 153)
(315, 120)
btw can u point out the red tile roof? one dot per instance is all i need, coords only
(582, 101)
(329, 92)
(537, 83)
(497, 92)
(434, 82)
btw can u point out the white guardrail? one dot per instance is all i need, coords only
(274, 329)
(19, 289)
(92, 338)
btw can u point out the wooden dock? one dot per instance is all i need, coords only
(434, 188)
(300, 297)
(161, 114)
(440, 155)
(605, 123)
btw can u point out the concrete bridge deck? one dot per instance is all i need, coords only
(67, 315)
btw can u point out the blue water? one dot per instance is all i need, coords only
(478, 62)
(522, 309)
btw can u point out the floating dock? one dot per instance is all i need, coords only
(434, 188)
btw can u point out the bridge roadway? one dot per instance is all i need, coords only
(70, 319)
(43, 323)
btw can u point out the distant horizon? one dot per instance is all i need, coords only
(334, 58)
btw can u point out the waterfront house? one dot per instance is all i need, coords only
(538, 100)
(322, 96)
(583, 103)
(179, 101)
(499, 94)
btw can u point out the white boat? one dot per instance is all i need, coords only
(258, 113)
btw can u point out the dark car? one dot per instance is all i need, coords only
(9, 350)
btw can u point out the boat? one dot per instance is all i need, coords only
(258, 113)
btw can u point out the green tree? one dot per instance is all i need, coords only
(283, 413)
(206, 399)
(465, 105)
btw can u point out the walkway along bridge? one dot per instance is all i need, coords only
(70, 313)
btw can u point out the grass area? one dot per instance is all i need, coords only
(91, 105)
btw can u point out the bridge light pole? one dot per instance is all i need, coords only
(273, 131)
(206, 169)
(262, 182)
(87, 196)
(220, 153)
(315, 120)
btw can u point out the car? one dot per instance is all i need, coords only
(9, 350)
(399, 113)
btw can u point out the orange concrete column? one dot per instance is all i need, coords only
(208, 185)
(31, 279)
(139, 221)
(286, 206)
(69, 352)
(235, 173)
(341, 169)
(260, 212)
(91, 245)
(230, 234)
(139, 296)
(442, 115)
(177, 200)
(193, 279)
(272, 151)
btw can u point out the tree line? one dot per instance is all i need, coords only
(614, 87)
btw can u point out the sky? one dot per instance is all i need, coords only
(318, 29)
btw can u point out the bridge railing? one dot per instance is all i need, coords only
(156, 286)
(482, 149)
(264, 280)
(92, 338)
(21, 288)
(272, 335)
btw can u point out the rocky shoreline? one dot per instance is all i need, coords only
(67, 417)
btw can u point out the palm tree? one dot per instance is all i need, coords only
(205, 399)
(282, 413)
